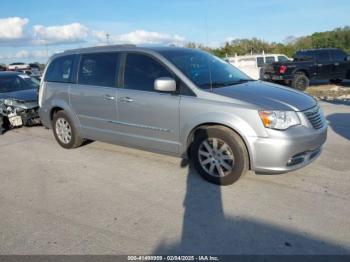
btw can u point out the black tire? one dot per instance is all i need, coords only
(336, 81)
(236, 145)
(300, 81)
(75, 140)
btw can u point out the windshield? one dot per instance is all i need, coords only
(13, 83)
(205, 70)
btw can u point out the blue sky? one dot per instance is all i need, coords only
(44, 27)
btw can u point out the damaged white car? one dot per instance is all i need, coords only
(18, 101)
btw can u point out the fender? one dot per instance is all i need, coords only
(235, 123)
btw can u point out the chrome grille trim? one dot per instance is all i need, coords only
(315, 117)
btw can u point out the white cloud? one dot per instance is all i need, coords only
(13, 33)
(70, 33)
(140, 37)
(25, 54)
(100, 36)
(12, 28)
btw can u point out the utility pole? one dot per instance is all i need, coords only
(107, 38)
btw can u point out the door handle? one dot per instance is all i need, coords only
(127, 99)
(108, 97)
(319, 65)
(336, 64)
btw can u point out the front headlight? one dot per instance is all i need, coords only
(280, 120)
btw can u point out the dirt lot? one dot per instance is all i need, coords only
(326, 91)
(106, 199)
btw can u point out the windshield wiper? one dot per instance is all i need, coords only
(221, 84)
(213, 84)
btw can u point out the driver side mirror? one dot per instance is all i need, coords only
(348, 58)
(165, 84)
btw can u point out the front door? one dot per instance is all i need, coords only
(324, 65)
(147, 118)
(94, 98)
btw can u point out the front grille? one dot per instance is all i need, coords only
(315, 117)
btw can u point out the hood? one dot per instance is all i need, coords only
(268, 96)
(29, 95)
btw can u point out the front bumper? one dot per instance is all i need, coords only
(286, 151)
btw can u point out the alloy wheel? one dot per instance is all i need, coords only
(216, 157)
(63, 130)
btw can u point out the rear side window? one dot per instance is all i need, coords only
(323, 56)
(141, 71)
(269, 59)
(260, 61)
(62, 69)
(99, 69)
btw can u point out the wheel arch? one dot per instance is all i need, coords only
(192, 134)
(302, 70)
(59, 105)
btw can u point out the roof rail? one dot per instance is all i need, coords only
(100, 47)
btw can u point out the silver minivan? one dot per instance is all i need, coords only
(184, 102)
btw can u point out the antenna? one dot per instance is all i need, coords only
(207, 46)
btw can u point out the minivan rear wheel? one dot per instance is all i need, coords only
(65, 132)
(219, 155)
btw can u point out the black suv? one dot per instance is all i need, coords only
(322, 64)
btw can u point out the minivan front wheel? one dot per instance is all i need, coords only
(219, 155)
(65, 132)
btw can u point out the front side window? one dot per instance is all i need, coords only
(337, 55)
(61, 70)
(141, 71)
(99, 69)
(203, 69)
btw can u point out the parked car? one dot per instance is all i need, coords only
(18, 66)
(2, 68)
(322, 64)
(18, 100)
(180, 101)
(33, 73)
(253, 65)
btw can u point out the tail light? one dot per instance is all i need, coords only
(282, 69)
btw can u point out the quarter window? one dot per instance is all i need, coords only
(99, 69)
(61, 70)
(141, 71)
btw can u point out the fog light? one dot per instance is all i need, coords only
(297, 159)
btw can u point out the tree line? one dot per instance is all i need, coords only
(337, 38)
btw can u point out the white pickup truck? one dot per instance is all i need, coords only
(253, 65)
